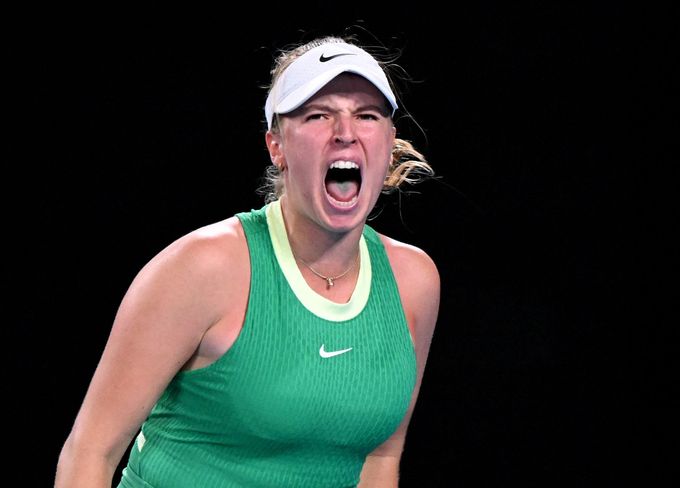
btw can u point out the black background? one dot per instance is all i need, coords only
(134, 127)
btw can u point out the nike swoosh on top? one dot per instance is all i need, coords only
(323, 58)
(329, 354)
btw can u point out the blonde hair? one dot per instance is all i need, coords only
(407, 166)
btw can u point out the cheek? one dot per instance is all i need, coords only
(301, 145)
(381, 168)
(384, 153)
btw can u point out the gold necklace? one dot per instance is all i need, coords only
(329, 279)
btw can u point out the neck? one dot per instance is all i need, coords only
(325, 253)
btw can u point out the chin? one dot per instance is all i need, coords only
(344, 218)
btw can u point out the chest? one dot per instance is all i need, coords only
(299, 375)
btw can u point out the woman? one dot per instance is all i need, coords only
(283, 346)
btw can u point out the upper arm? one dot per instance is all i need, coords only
(164, 314)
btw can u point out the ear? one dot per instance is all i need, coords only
(275, 148)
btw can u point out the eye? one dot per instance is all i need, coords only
(315, 116)
(368, 116)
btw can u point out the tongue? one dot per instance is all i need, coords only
(342, 191)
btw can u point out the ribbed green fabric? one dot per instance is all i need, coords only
(272, 412)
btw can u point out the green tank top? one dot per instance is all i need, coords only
(307, 390)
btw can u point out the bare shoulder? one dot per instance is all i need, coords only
(411, 263)
(196, 274)
(418, 282)
(219, 252)
(206, 248)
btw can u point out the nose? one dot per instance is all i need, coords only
(344, 131)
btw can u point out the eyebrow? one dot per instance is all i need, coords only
(327, 108)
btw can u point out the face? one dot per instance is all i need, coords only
(335, 151)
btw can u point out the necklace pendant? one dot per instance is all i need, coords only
(329, 282)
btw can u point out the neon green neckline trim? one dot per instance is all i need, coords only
(312, 301)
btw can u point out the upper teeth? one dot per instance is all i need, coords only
(344, 165)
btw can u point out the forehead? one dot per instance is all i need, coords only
(349, 84)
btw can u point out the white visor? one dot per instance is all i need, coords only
(314, 69)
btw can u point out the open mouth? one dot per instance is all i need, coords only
(343, 182)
